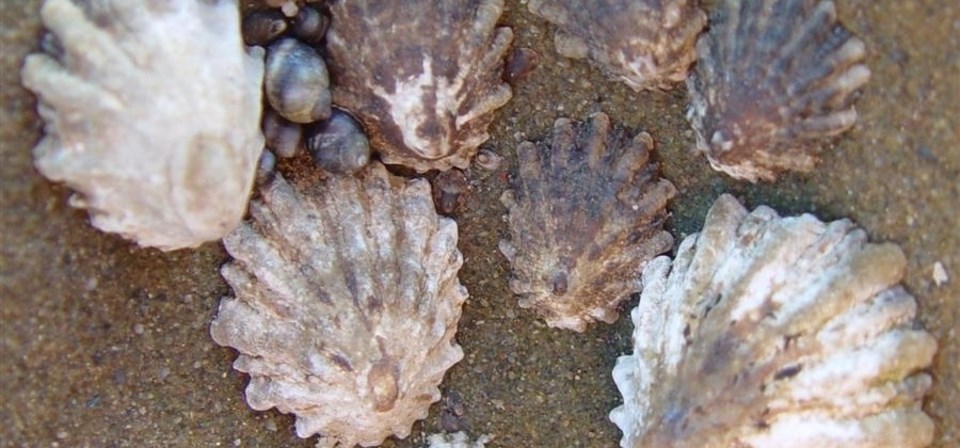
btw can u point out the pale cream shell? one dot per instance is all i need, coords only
(346, 303)
(159, 139)
(775, 332)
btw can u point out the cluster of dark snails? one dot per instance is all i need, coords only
(298, 110)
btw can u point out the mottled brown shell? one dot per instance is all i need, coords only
(346, 303)
(772, 80)
(648, 44)
(423, 76)
(775, 332)
(586, 214)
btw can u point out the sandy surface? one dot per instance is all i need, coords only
(106, 345)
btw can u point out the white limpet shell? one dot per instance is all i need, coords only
(152, 115)
(346, 303)
(423, 76)
(775, 332)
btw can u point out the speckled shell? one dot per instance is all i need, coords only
(422, 76)
(773, 79)
(347, 302)
(159, 139)
(648, 44)
(586, 214)
(775, 332)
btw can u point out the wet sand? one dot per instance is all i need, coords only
(107, 345)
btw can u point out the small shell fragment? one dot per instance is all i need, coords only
(449, 190)
(940, 275)
(422, 76)
(158, 137)
(773, 79)
(648, 44)
(488, 160)
(586, 214)
(346, 303)
(770, 332)
(521, 63)
(456, 440)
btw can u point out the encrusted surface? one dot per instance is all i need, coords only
(647, 44)
(586, 214)
(346, 303)
(423, 76)
(773, 79)
(158, 138)
(775, 332)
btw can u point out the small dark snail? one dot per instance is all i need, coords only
(338, 145)
(266, 168)
(296, 82)
(310, 24)
(283, 137)
(262, 27)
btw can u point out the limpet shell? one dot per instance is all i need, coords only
(586, 213)
(769, 332)
(346, 302)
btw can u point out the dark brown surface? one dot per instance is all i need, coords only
(104, 344)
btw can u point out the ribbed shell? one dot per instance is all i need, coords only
(648, 44)
(159, 139)
(773, 79)
(775, 332)
(586, 214)
(423, 76)
(347, 302)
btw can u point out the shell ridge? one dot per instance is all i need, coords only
(811, 29)
(249, 241)
(835, 62)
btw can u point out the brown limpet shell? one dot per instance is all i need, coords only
(773, 79)
(648, 44)
(423, 76)
(586, 212)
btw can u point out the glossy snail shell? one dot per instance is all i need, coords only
(296, 82)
